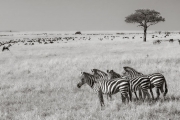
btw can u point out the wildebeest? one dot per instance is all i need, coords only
(171, 40)
(157, 42)
(6, 47)
(126, 37)
(179, 41)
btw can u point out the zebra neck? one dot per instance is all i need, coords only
(91, 81)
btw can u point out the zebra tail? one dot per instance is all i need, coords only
(151, 91)
(166, 89)
(130, 93)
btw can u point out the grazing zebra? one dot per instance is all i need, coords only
(157, 80)
(113, 75)
(6, 47)
(106, 86)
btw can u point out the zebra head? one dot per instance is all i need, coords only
(130, 73)
(86, 78)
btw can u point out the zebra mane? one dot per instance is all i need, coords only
(99, 71)
(88, 74)
(114, 72)
(128, 69)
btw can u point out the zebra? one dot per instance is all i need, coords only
(157, 80)
(113, 75)
(100, 75)
(106, 86)
(141, 83)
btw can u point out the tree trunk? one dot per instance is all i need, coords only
(145, 29)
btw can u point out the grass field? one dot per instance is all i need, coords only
(40, 81)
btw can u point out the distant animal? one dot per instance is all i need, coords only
(179, 41)
(126, 37)
(156, 42)
(171, 40)
(6, 47)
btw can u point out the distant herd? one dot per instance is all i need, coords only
(48, 40)
(129, 82)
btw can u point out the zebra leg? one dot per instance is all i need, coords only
(151, 91)
(140, 94)
(166, 90)
(107, 97)
(110, 96)
(130, 95)
(123, 98)
(127, 97)
(136, 96)
(100, 95)
(158, 93)
(162, 91)
(144, 94)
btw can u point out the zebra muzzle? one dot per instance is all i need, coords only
(78, 85)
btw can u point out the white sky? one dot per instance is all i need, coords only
(85, 15)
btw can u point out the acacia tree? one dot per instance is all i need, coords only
(145, 18)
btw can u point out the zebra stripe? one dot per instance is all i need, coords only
(157, 80)
(106, 86)
(143, 83)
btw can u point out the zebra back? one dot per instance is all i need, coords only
(142, 82)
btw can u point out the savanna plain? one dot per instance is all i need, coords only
(40, 81)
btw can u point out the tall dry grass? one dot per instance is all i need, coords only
(39, 82)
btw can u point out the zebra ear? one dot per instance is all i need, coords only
(125, 68)
(112, 71)
(107, 71)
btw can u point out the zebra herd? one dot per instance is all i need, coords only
(129, 82)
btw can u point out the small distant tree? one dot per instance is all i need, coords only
(145, 18)
(78, 32)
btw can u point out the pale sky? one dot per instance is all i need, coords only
(85, 15)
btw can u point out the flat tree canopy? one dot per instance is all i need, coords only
(145, 18)
(78, 32)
